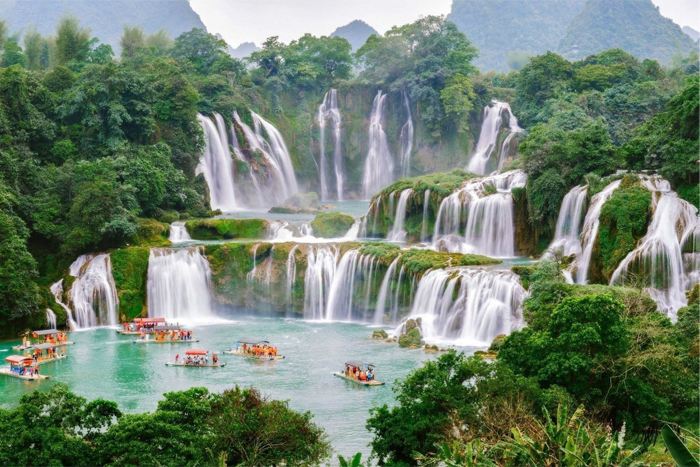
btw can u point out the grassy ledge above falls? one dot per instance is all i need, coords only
(227, 229)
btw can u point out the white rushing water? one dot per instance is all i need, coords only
(589, 232)
(566, 237)
(178, 233)
(406, 139)
(658, 261)
(50, 319)
(57, 291)
(328, 110)
(487, 205)
(488, 137)
(424, 223)
(93, 294)
(216, 164)
(398, 232)
(467, 306)
(178, 285)
(378, 170)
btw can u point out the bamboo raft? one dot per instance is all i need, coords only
(167, 341)
(31, 346)
(363, 383)
(54, 358)
(255, 357)
(209, 365)
(7, 372)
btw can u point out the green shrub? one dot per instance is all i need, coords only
(225, 229)
(130, 272)
(331, 224)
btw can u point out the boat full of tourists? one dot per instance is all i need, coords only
(22, 367)
(134, 328)
(168, 334)
(359, 373)
(44, 336)
(197, 358)
(44, 353)
(252, 348)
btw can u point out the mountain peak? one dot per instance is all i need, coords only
(356, 33)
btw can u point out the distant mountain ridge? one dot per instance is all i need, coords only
(106, 18)
(695, 35)
(635, 26)
(355, 32)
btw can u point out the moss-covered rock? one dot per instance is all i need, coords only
(151, 233)
(380, 334)
(418, 261)
(298, 203)
(412, 339)
(130, 272)
(497, 343)
(227, 229)
(331, 224)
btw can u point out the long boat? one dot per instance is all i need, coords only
(44, 353)
(51, 336)
(353, 368)
(134, 328)
(198, 359)
(256, 349)
(165, 335)
(22, 367)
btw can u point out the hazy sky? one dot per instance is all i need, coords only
(255, 20)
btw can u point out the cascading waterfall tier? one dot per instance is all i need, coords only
(216, 164)
(566, 237)
(487, 144)
(378, 171)
(178, 285)
(93, 294)
(406, 139)
(466, 306)
(328, 110)
(178, 233)
(483, 210)
(398, 232)
(589, 232)
(57, 291)
(50, 319)
(658, 261)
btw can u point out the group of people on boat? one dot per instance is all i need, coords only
(172, 335)
(56, 339)
(25, 370)
(197, 360)
(258, 350)
(358, 374)
(45, 354)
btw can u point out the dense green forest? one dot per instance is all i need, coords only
(99, 152)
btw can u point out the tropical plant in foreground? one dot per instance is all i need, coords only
(679, 451)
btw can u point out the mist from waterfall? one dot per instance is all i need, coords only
(467, 306)
(328, 110)
(487, 144)
(93, 294)
(216, 164)
(406, 139)
(178, 285)
(378, 170)
(478, 218)
(566, 237)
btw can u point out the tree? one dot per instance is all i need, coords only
(33, 48)
(204, 51)
(13, 55)
(541, 79)
(131, 41)
(71, 41)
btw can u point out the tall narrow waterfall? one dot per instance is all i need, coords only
(57, 291)
(424, 223)
(178, 233)
(658, 259)
(282, 182)
(178, 285)
(406, 139)
(384, 299)
(328, 110)
(398, 232)
(379, 166)
(566, 241)
(468, 306)
(488, 137)
(93, 295)
(589, 233)
(320, 272)
(50, 319)
(216, 164)
(487, 205)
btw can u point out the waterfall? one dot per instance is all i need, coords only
(378, 171)
(178, 233)
(488, 137)
(216, 164)
(329, 110)
(282, 183)
(178, 285)
(57, 291)
(468, 306)
(658, 259)
(487, 204)
(397, 232)
(566, 237)
(320, 272)
(250, 277)
(385, 293)
(424, 223)
(93, 295)
(406, 139)
(291, 277)
(589, 232)
(50, 319)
